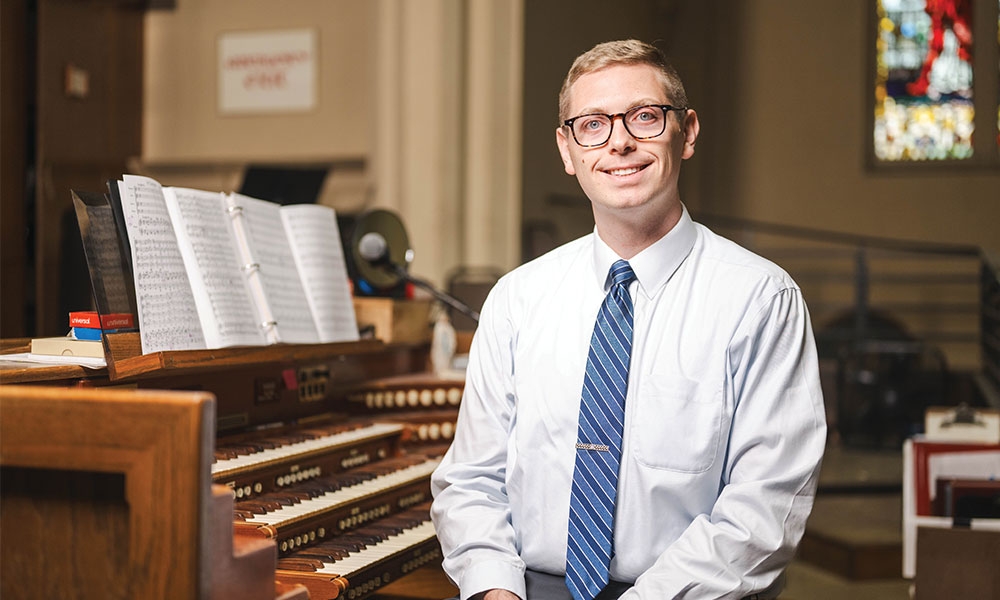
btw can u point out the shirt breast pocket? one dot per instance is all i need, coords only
(677, 424)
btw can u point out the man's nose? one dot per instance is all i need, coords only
(621, 140)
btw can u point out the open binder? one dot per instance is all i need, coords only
(214, 270)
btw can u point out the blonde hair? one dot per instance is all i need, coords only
(623, 52)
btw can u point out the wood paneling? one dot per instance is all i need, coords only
(82, 139)
(13, 141)
(103, 492)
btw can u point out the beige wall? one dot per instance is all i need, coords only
(407, 93)
(799, 136)
(182, 122)
(795, 153)
(447, 155)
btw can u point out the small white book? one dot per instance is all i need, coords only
(67, 346)
(214, 270)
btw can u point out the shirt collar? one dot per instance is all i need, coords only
(656, 263)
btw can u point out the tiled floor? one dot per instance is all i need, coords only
(858, 512)
(806, 581)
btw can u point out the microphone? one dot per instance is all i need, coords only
(373, 248)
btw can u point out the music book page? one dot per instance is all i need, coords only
(205, 237)
(214, 270)
(167, 311)
(267, 245)
(315, 241)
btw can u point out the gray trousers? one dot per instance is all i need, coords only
(542, 586)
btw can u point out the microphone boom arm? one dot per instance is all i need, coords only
(439, 295)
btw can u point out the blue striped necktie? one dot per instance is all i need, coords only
(599, 441)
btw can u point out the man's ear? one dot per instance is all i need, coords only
(691, 128)
(563, 142)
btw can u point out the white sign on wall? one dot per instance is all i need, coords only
(267, 71)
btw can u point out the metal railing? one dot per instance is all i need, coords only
(901, 325)
(990, 329)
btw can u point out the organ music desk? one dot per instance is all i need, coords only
(265, 472)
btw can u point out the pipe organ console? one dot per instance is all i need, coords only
(269, 473)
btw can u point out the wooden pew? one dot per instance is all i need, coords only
(106, 493)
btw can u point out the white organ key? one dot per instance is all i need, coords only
(327, 442)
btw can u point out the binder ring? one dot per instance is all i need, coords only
(250, 267)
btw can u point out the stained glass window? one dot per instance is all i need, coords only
(923, 83)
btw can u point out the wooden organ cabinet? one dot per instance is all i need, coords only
(286, 472)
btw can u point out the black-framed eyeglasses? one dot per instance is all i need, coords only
(641, 122)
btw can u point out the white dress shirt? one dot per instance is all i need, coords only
(724, 422)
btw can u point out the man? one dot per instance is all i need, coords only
(710, 465)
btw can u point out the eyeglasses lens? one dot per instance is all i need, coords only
(642, 122)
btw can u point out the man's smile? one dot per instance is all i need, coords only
(625, 171)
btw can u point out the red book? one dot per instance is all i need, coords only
(922, 451)
(969, 498)
(89, 320)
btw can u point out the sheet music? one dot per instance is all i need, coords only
(168, 316)
(228, 317)
(281, 286)
(315, 240)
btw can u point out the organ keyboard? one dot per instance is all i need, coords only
(331, 505)
(253, 466)
(356, 565)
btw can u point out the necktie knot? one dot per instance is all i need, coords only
(621, 273)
